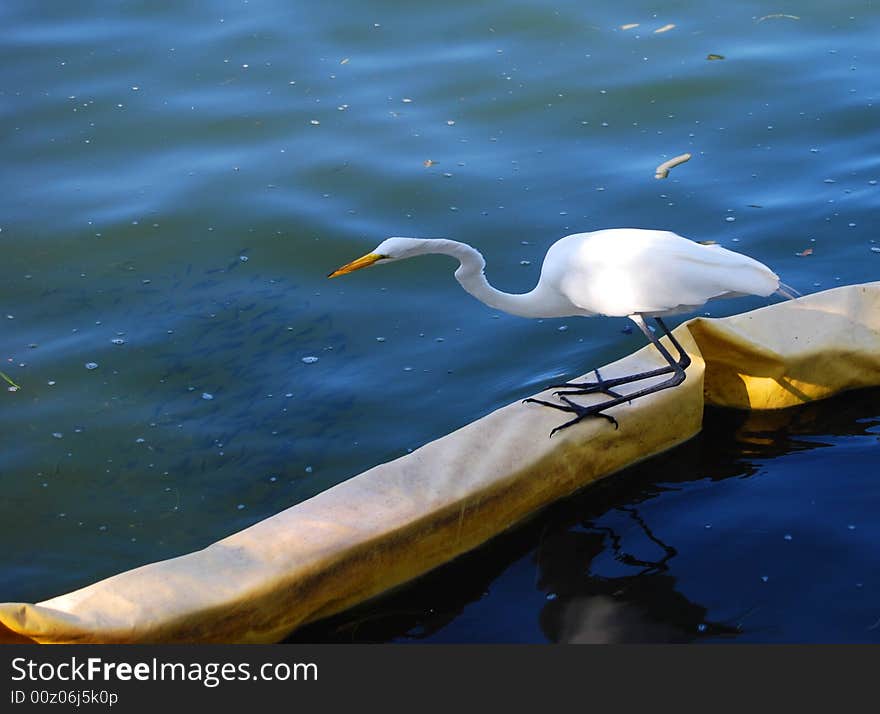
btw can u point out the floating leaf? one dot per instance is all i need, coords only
(428, 163)
(8, 379)
(712, 56)
(665, 28)
(778, 16)
(805, 252)
(630, 26)
(662, 171)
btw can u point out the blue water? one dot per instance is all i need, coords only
(182, 176)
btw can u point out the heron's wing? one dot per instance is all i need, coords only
(655, 272)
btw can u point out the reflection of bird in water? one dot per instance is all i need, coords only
(642, 607)
(626, 272)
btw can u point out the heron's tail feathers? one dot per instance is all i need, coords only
(788, 292)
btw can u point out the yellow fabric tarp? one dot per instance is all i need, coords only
(401, 519)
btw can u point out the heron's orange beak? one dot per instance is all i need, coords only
(364, 262)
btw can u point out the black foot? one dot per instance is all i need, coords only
(600, 386)
(581, 412)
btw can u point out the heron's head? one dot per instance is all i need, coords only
(385, 252)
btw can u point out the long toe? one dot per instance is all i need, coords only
(561, 407)
(588, 387)
(566, 425)
(596, 390)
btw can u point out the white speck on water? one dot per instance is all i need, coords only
(872, 182)
(309, 469)
(57, 435)
(117, 341)
(450, 122)
(562, 328)
(51, 382)
(380, 339)
(730, 219)
(550, 596)
(829, 180)
(851, 527)
(207, 396)
(875, 249)
(787, 536)
(701, 627)
(314, 122)
(311, 359)
(273, 479)
(243, 258)
(525, 262)
(240, 507)
(139, 440)
(764, 578)
(407, 369)
(91, 365)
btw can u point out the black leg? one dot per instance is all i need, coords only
(675, 368)
(684, 359)
(604, 386)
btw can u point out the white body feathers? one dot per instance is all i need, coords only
(624, 271)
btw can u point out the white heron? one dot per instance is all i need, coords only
(625, 272)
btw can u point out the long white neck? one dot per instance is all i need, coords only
(470, 276)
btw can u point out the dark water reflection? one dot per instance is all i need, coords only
(761, 528)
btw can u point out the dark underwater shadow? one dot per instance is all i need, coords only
(570, 546)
